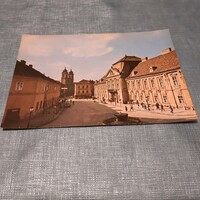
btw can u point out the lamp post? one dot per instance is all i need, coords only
(30, 113)
(64, 89)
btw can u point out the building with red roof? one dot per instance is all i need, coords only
(151, 81)
(159, 80)
(30, 91)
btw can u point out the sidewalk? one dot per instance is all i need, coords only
(43, 117)
(139, 112)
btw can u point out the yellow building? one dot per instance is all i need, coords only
(30, 91)
(156, 81)
(159, 81)
(84, 89)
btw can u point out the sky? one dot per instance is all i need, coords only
(89, 56)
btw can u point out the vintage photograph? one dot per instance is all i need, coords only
(97, 80)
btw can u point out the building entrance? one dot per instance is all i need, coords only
(12, 117)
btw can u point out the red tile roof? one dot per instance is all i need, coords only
(128, 59)
(85, 81)
(22, 69)
(161, 63)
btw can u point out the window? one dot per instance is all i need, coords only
(40, 104)
(145, 83)
(161, 83)
(175, 81)
(19, 86)
(152, 83)
(134, 73)
(117, 86)
(128, 85)
(133, 84)
(139, 84)
(156, 98)
(37, 106)
(165, 100)
(180, 98)
(43, 87)
(152, 68)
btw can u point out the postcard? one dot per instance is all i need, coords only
(97, 80)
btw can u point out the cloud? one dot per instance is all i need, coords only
(90, 45)
(73, 45)
(34, 45)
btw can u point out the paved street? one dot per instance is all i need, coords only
(88, 113)
(83, 113)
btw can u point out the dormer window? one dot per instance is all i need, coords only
(152, 68)
(111, 72)
(134, 73)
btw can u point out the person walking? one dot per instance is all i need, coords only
(131, 108)
(157, 106)
(171, 109)
(126, 109)
(161, 107)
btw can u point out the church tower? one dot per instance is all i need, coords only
(64, 77)
(67, 79)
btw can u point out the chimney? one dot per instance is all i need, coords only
(31, 66)
(23, 62)
(144, 59)
(165, 51)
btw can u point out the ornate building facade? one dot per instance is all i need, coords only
(67, 81)
(159, 80)
(112, 86)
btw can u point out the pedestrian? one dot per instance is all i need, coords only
(148, 106)
(157, 105)
(126, 109)
(161, 107)
(171, 109)
(138, 103)
(131, 108)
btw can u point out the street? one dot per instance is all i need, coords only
(82, 113)
(87, 113)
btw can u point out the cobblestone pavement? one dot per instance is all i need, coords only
(83, 113)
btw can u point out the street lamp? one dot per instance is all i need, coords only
(29, 119)
(64, 91)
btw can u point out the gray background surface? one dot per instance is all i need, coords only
(130, 162)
